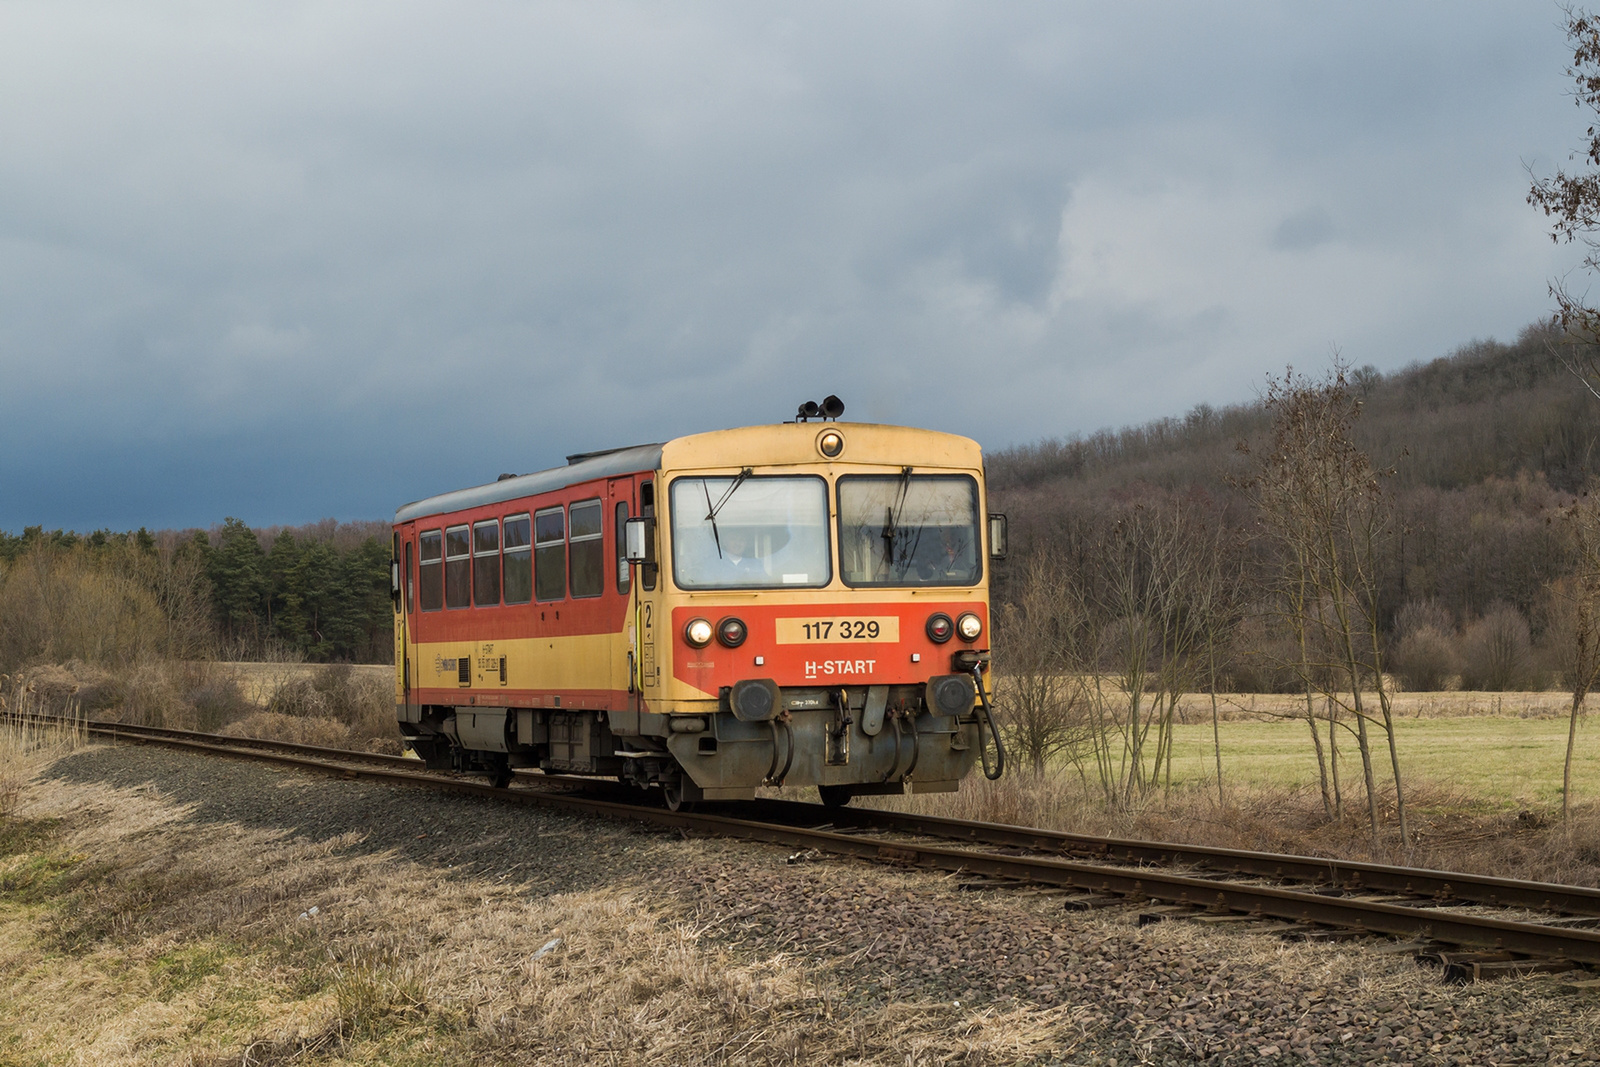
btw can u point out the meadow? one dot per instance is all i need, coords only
(1496, 762)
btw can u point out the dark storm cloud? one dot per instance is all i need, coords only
(307, 259)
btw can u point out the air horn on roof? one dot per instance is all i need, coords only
(829, 410)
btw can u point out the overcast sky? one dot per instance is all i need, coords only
(295, 260)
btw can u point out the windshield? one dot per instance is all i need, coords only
(747, 532)
(908, 529)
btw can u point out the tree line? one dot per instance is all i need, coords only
(1479, 451)
(317, 592)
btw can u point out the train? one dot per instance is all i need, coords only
(803, 603)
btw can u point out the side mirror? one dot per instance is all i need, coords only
(394, 582)
(997, 537)
(641, 538)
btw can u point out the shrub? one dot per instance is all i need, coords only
(297, 729)
(1426, 659)
(361, 701)
(1499, 653)
(217, 703)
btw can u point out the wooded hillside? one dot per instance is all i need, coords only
(1478, 451)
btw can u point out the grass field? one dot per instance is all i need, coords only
(1491, 762)
(1482, 774)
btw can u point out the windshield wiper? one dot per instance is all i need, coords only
(712, 509)
(891, 517)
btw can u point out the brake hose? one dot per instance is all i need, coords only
(994, 733)
(894, 720)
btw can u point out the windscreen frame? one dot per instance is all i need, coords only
(937, 579)
(716, 483)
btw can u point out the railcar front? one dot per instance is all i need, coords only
(825, 615)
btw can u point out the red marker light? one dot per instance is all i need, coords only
(732, 632)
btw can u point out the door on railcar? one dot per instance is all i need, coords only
(621, 503)
(652, 632)
(405, 609)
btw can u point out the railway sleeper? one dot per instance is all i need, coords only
(1462, 971)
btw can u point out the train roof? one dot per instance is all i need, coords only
(580, 468)
(768, 445)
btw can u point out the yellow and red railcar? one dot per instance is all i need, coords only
(803, 603)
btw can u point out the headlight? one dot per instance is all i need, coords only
(697, 633)
(830, 443)
(969, 626)
(731, 632)
(940, 628)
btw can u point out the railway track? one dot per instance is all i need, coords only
(1476, 926)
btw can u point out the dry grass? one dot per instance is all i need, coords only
(338, 705)
(132, 935)
(259, 681)
(1233, 707)
(1451, 830)
(25, 747)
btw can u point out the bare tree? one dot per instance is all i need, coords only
(1571, 201)
(1220, 592)
(1322, 504)
(1038, 677)
(1582, 592)
(1142, 617)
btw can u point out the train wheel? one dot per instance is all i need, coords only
(500, 775)
(672, 793)
(834, 796)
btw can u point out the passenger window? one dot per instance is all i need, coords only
(431, 551)
(622, 546)
(647, 508)
(486, 563)
(549, 554)
(588, 553)
(457, 567)
(518, 560)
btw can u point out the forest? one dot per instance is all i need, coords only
(318, 592)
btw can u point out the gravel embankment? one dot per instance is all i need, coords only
(1174, 992)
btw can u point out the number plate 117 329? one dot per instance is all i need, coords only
(804, 631)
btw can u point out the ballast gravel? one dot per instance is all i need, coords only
(1172, 992)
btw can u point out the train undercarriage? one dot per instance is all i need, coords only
(848, 741)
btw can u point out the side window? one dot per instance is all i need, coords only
(411, 585)
(519, 559)
(622, 546)
(549, 554)
(486, 563)
(588, 558)
(647, 508)
(457, 567)
(431, 552)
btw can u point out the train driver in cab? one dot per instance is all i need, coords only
(740, 557)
